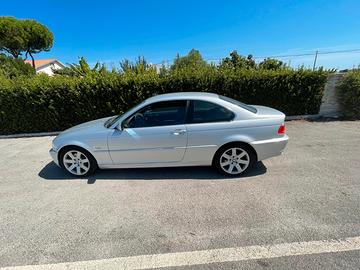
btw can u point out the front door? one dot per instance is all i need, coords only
(154, 134)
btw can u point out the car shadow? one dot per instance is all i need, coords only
(52, 172)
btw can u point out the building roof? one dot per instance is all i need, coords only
(42, 62)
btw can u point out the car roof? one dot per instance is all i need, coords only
(183, 95)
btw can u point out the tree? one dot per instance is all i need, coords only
(39, 38)
(82, 69)
(237, 61)
(24, 36)
(271, 64)
(139, 67)
(193, 60)
(12, 36)
(10, 67)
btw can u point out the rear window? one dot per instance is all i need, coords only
(238, 103)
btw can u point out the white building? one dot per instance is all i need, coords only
(46, 65)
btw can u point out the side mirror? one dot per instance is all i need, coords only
(126, 123)
(120, 126)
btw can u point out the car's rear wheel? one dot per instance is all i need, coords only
(234, 159)
(77, 161)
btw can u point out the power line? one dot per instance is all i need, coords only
(343, 51)
(284, 56)
(307, 54)
(280, 56)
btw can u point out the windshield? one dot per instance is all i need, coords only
(240, 104)
(115, 118)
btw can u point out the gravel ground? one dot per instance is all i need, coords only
(311, 192)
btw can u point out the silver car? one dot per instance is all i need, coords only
(177, 129)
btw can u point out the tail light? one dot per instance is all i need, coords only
(281, 130)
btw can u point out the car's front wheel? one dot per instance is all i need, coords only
(77, 161)
(234, 159)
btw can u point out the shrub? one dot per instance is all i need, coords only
(44, 103)
(11, 67)
(349, 94)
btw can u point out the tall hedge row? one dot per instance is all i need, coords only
(44, 103)
(349, 94)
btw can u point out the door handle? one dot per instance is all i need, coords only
(178, 132)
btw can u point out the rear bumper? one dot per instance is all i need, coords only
(270, 148)
(54, 155)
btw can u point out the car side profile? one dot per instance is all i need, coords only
(177, 129)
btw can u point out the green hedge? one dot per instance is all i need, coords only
(349, 94)
(44, 103)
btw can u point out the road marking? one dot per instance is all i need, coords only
(206, 256)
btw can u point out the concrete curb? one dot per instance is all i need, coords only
(54, 133)
(313, 117)
(303, 117)
(28, 135)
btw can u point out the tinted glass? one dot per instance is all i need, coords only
(205, 112)
(159, 114)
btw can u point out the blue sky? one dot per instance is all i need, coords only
(109, 31)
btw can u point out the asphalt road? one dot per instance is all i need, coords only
(310, 193)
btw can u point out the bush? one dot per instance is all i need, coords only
(349, 94)
(11, 67)
(44, 103)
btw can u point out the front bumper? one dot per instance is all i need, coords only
(54, 155)
(270, 148)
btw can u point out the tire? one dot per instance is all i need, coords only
(77, 161)
(234, 159)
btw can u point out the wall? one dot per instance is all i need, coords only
(330, 105)
(47, 69)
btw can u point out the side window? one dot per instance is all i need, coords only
(206, 112)
(158, 114)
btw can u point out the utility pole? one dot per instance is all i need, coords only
(316, 54)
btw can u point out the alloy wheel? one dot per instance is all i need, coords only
(76, 162)
(234, 160)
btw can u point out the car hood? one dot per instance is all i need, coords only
(94, 125)
(267, 112)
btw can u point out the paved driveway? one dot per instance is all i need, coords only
(311, 194)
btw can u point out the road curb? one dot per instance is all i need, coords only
(313, 117)
(28, 135)
(303, 117)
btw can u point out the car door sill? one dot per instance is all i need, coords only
(151, 165)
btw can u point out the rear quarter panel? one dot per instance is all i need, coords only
(205, 139)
